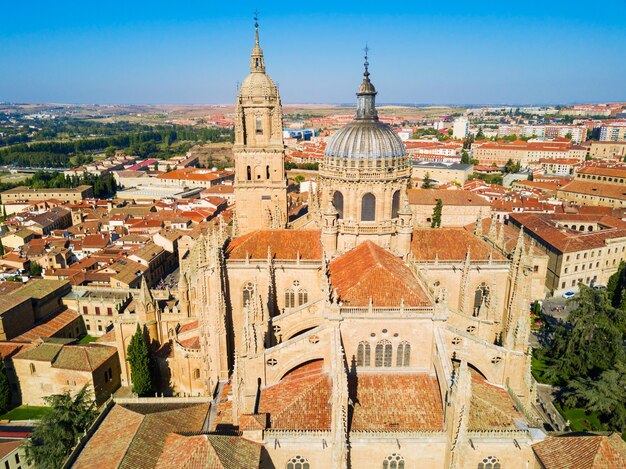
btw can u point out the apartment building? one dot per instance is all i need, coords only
(614, 132)
(597, 185)
(525, 153)
(582, 248)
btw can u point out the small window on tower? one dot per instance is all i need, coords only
(259, 125)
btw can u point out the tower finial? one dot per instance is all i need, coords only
(367, 64)
(256, 27)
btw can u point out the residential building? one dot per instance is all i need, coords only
(441, 173)
(597, 185)
(525, 153)
(26, 194)
(613, 132)
(460, 128)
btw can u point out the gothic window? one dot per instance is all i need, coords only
(363, 354)
(303, 297)
(249, 173)
(368, 207)
(338, 203)
(258, 171)
(490, 462)
(383, 353)
(480, 295)
(248, 288)
(403, 355)
(32, 369)
(259, 125)
(196, 373)
(298, 462)
(290, 298)
(395, 461)
(395, 204)
(267, 172)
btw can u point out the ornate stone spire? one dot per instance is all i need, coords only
(366, 102)
(257, 64)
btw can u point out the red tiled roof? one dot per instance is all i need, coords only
(491, 407)
(284, 244)
(359, 275)
(300, 401)
(395, 402)
(450, 244)
(448, 197)
(49, 326)
(582, 452)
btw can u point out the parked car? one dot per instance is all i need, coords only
(568, 294)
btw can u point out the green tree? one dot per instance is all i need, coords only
(53, 439)
(35, 269)
(436, 218)
(110, 151)
(512, 167)
(465, 158)
(480, 135)
(591, 340)
(427, 183)
(5, 388)
(605, 395)
(139, 359)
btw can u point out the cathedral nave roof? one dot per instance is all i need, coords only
(450, 244)
(369, 271)
(283, 244)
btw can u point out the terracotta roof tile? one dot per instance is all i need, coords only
(284, 244)
(450, 244)
(361, 273)
(575, 451)
(448, 197)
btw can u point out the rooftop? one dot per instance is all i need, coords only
(283, 244)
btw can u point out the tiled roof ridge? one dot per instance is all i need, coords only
(130, 443)
(301, 397)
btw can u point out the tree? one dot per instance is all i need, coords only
(58, 431)
(465, 158)
(35, 269)
(427, 183)
(110, 151)
(606, 395)
(436, 218)
(512, 167)
(1, 249)
(591, 340)
(480, 135)
(5, 388)
(139, 359)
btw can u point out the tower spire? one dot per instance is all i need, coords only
(366, 104)
(257, 64)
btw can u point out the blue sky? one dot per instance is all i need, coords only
(421, 52)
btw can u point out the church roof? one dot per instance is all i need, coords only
(300, 401)
(209, 452)
(369, 271)
(491, 407)
(396, 402)
(135, 435)
(284, 244)
(578, 451)
(449, 244)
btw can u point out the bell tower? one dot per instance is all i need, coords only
(259, 151)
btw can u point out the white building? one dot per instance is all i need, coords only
(460, 129)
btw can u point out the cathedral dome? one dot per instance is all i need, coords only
(365, 137)
(258, 85)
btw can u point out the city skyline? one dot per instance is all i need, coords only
(148, 54)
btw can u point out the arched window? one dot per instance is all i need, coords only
(368, 207)
(395, 461)
(363, 354)
(395, 204)
(490, 462)
(249, 169)
(383, 353)
(403, 355)
(303, 297)
(32, 369)
(290, 298)
(248, 288)
(267, 172)
(480, 295)
(259, 125)
(338, 203)
(298, 462)
(196, 373)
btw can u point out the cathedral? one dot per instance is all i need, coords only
(348, 338)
